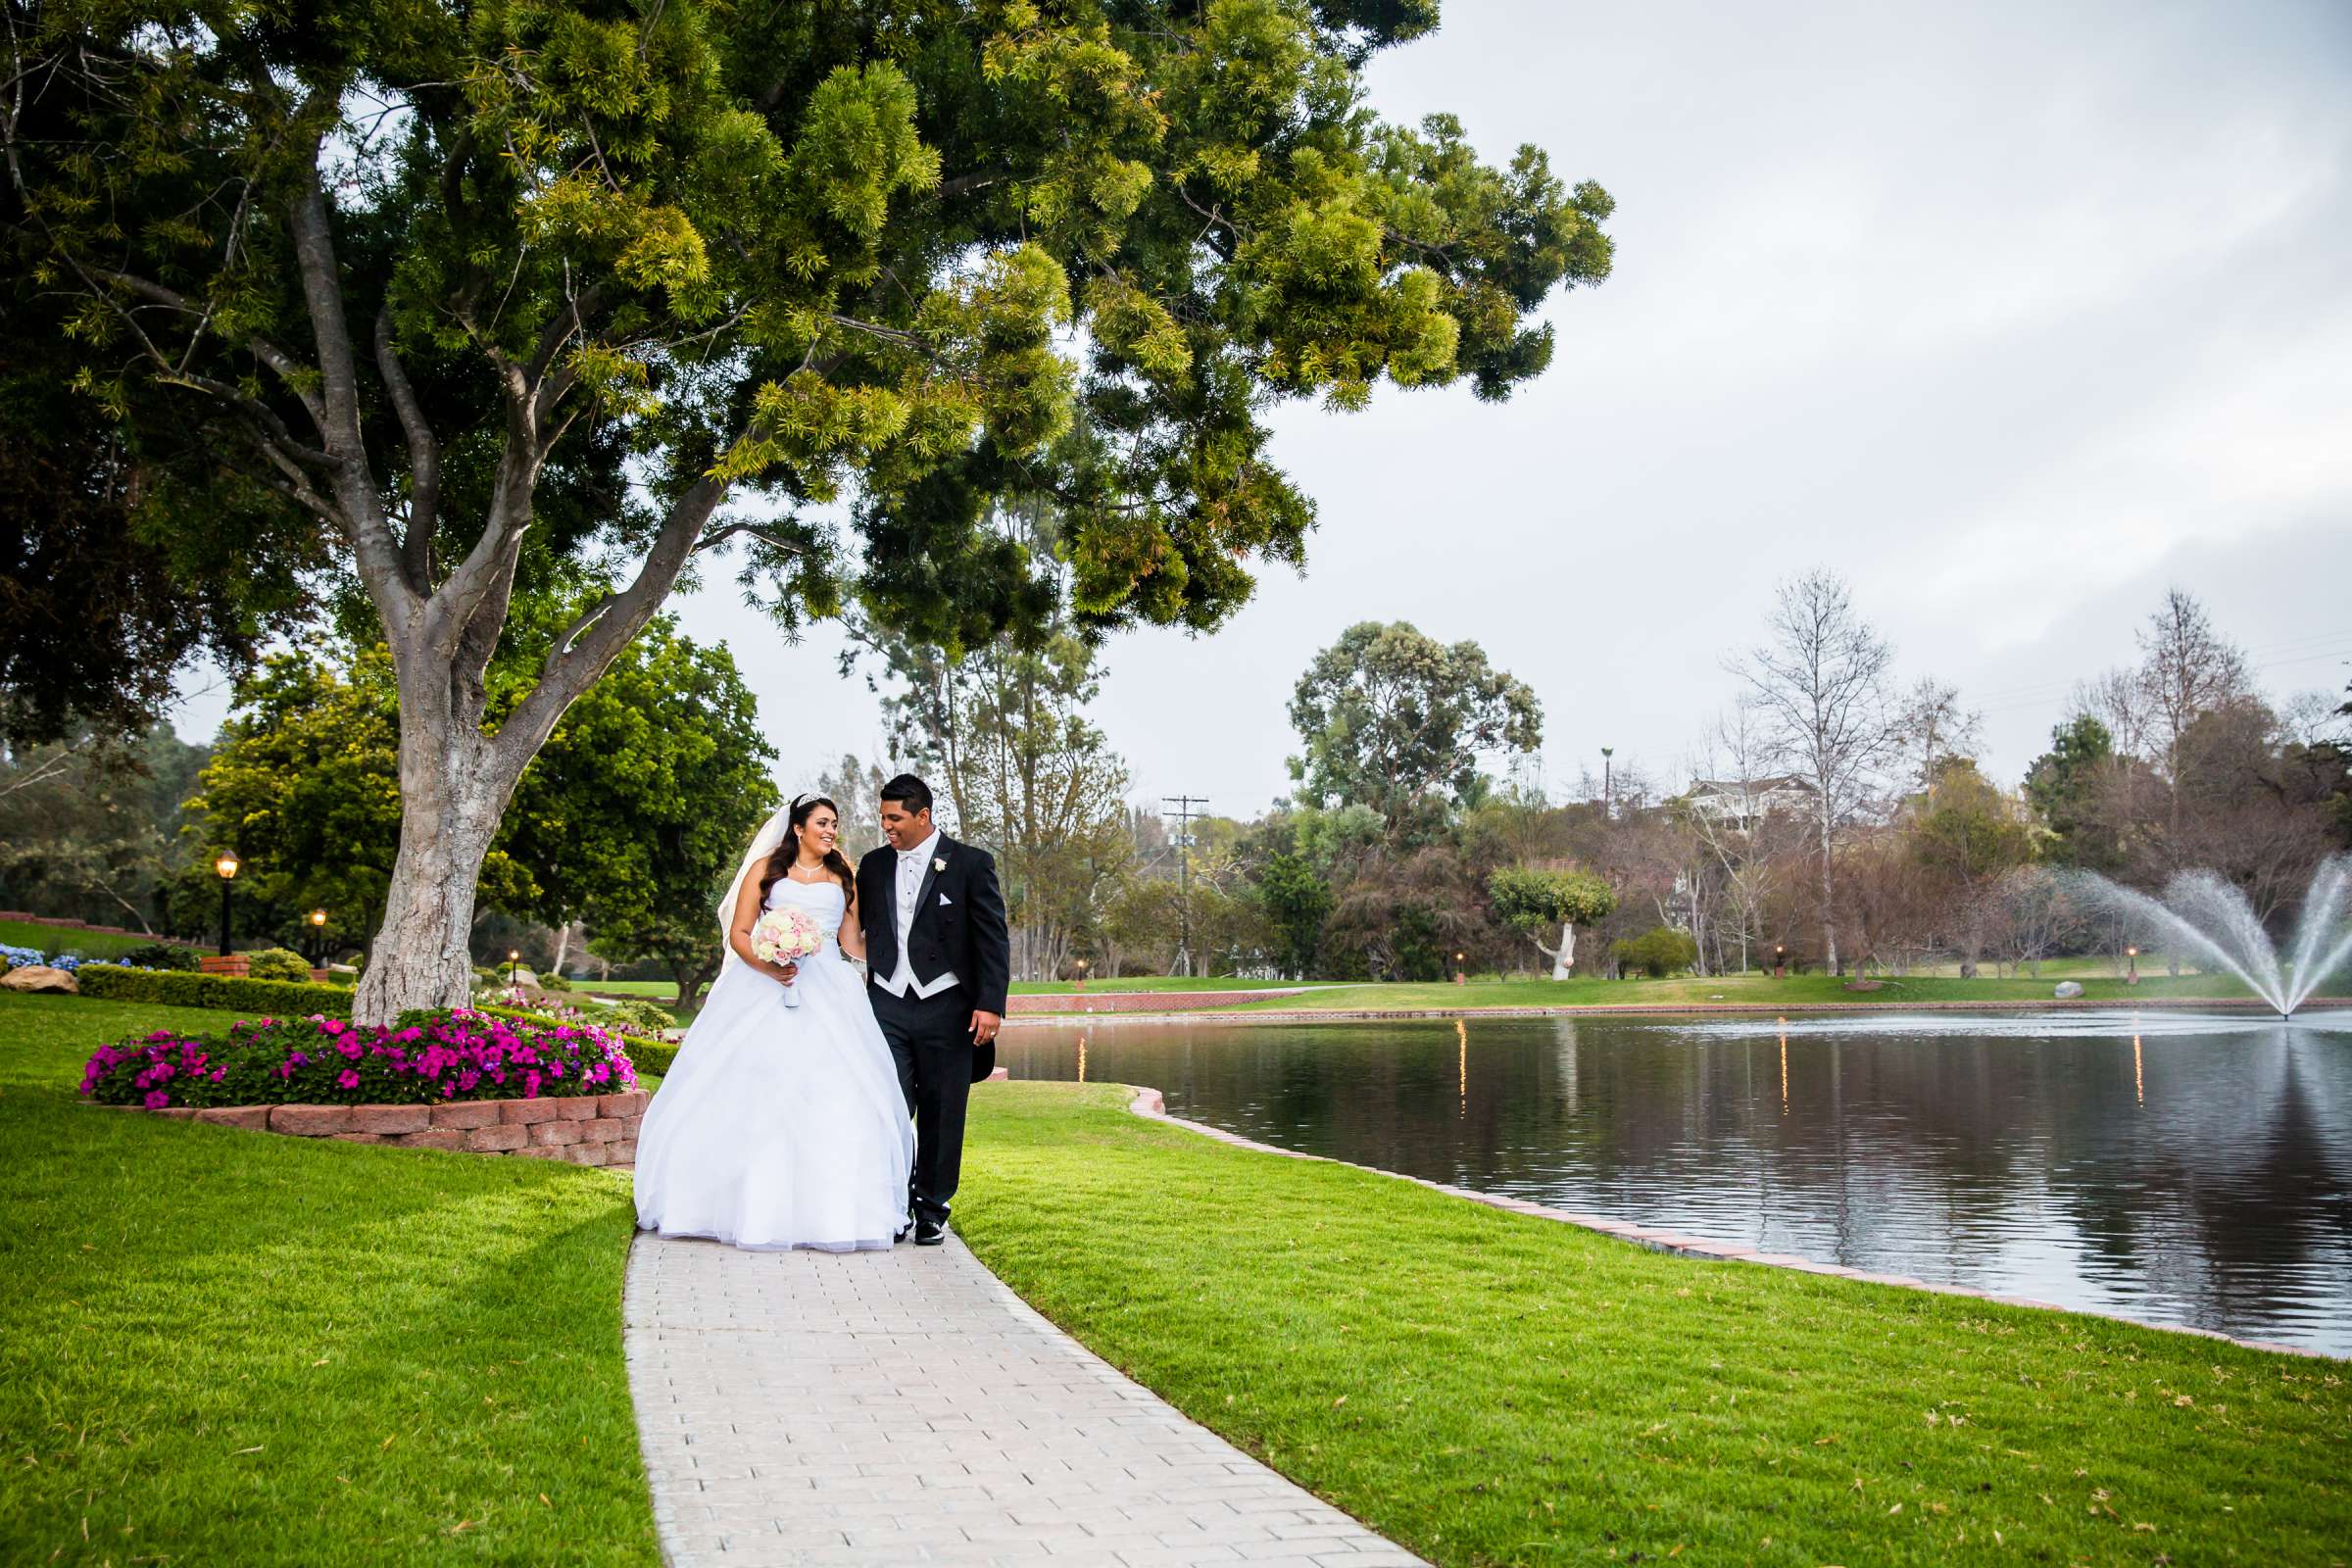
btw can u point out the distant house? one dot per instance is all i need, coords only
(1743, 803)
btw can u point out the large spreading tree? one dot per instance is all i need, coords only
(628, 279)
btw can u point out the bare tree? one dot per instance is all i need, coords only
(1820, 684)
(1745, 847)
(1933, 727)
(2186, 670)
(2036, 915)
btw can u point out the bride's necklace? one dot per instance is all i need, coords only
(807, 873)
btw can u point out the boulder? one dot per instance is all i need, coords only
(39, 977)
(2066, 988)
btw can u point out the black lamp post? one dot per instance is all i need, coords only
(227, 865)
(514, 958)
(2132, 954)
(1780, 961)
(318, 936)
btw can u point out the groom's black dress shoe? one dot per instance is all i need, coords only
(930, 1232)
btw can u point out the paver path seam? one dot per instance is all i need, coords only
(907, 1407)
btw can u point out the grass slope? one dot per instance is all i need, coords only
(225, 1346)
(1492, 1388)
(56, 939)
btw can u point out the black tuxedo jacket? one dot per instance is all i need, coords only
(959, 921)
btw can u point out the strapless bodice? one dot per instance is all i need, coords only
(824, 900)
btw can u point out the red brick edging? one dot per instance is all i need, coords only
(582, 1129)
(1152, 1103)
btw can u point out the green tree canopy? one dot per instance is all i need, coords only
(2063, 784)
(1533, 900)
(1388, 715)
(820, 282)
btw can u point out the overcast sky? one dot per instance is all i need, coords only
(2015, 314)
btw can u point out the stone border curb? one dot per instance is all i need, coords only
(580, 1129)
(1152, 1104)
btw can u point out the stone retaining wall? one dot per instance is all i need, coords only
(583, 1129)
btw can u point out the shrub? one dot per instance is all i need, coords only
(277, 963)
(554, 982)
(637, 1014)
(161, 956)
(453, 1055)
(1661, 951)
(114, 983)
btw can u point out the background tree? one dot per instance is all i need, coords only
(1003, 731)
(1818, 682)
(1296, 901)
(634, 815)
(2065, 786)
(452, 281)
(1388, 718)
(1970, 838)
(1659, 952)
(1534, 902)
(105, 594)
(90, 826)
(303, 785)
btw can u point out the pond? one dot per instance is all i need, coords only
(2175, 1168)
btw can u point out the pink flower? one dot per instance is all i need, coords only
(157, 1100)
(347, 1079)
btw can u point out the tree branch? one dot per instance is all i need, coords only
(589, 647)
(424, 459)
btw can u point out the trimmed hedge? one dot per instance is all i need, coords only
(230, 993)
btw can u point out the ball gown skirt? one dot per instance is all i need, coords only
(781, 1126)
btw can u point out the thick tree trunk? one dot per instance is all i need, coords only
(450, 810)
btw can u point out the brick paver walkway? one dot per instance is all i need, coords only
(905, 1407)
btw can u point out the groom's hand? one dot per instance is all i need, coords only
(985, 1026)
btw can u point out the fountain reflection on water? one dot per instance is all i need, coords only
(2211, 918)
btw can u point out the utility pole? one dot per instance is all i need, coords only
(1609, 809)
(1183, 840)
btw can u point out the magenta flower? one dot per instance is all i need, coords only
(157, 1100)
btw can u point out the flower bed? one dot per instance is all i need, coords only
(455, 1079)
(456, 1055)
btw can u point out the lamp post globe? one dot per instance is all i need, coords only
(225, 866)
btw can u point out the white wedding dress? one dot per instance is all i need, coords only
(781, 1126)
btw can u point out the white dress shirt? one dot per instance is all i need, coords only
(912, 863)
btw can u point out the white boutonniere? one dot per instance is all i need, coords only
(940, 864)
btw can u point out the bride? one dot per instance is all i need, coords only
(782, 1126)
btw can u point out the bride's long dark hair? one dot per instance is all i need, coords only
(788, 849)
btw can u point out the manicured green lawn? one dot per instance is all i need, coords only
(1487, 1387)
(659, 990)
(1797, 991)
(56, 939)
(222, 1347)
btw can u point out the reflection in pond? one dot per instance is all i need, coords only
(2171, 1167)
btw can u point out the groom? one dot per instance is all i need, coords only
(937, 961)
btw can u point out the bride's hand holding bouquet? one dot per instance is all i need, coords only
(782, 937)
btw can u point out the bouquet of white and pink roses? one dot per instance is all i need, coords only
(786, 936)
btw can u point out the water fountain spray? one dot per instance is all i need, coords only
(2204, 914)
